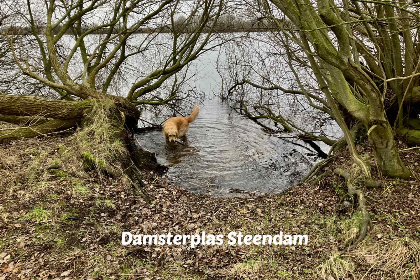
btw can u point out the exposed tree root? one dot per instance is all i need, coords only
(106, 147)
(90, 162)
(316, 147)
(137, 184)
(102, 137)
(312, 137)
(412, 136)
(316, 169)
(361, 201)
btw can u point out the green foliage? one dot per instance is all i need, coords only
(81, 189)
(339, 190)
(38, 214)
(55, 165)
(58, 173)
(90, 162)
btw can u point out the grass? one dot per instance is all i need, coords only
(250, 267)
(99, 140)
(350, 228)
(58, 173)
(399, 257)
(38, 214)
(337, 267)
(81, 189)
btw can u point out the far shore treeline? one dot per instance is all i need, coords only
(230, 24)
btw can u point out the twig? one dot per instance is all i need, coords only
(412, 148)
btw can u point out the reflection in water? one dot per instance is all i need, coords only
(174, 152)
(226, 153)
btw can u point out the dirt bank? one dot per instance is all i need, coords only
(58, 221)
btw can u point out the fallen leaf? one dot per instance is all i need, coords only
(66, 273)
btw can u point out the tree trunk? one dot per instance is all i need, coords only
(36, 130)
(386, 152)
(39, 115)
(23, 120)
(25, 105)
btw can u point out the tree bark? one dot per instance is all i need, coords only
(373, 115)
(23, 120)
(37, 130)
(386, 152)
(25, 105)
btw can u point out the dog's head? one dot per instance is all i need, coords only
(172, 137)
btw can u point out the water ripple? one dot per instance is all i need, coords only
(227, 153)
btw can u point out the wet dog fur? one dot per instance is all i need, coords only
(176, 127)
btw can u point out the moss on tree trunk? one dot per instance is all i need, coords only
(23, 120)
(386, 152)
(36, 130)
(26, 105)
(411, 136)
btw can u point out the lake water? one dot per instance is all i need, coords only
(226, 154)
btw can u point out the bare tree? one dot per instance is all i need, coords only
(363, 57)
(83, 50)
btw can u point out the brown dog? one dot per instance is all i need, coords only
(176, 127)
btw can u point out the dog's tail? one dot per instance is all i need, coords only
(193, 115)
